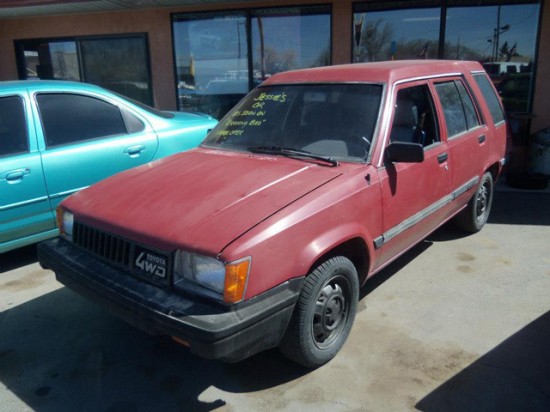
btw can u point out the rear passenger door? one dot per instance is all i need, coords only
(467, 137)
(24, 206)
(414, 195)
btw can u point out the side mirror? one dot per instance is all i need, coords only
(405, 152)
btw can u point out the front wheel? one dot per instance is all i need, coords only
(473, 218)
(324, 314)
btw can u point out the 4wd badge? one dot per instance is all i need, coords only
(151, 263)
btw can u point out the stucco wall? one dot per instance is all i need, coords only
(156, 23)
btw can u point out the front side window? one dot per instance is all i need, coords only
(13, 129)
(414, 118)
(72, 118)
(326, 120)
(458, 107)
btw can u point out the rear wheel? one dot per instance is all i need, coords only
(324, 313)
(473, 218)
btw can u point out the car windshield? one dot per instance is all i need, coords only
(330, 120)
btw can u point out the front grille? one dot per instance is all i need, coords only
(106, 246)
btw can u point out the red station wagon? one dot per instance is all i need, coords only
(263, 235)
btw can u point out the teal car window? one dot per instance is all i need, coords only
(71, 118)
(133, 124)
(13, 130)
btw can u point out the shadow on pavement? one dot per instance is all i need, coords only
(514, 376)
(17, 258)
(48, 363)
(521, 208)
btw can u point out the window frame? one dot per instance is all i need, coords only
(21, 44)
(432, 102)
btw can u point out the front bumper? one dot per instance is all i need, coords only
(211, 330)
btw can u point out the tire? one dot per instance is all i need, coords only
(475, 215)
(323, 315)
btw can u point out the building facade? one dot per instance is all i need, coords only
(205, 55)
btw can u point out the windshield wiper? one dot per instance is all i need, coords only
(291, 152)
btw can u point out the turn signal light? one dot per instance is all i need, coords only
(236, 277)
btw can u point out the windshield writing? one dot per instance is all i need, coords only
(334, 120)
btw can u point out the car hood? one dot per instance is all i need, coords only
(200, 200)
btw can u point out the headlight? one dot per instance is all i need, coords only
(65, 221)
(213, 277)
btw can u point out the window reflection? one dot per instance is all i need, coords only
(118, 63)
(211, 61)
(214, 66)
(396, 34)
(502, 38)
(287, 39)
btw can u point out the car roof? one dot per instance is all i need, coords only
(41, 85)
(378, 72)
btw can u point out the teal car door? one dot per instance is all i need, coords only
(25, 212)
(87, 139)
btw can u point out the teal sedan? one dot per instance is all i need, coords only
(58, 137)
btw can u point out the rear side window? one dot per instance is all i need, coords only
(72, 118)
(490, 97)
(458, 107)
(13, 128)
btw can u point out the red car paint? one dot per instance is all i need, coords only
(288, 213)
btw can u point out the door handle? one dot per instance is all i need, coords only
(134, 151)
(481, 138)
(442, 157)
(15, 176)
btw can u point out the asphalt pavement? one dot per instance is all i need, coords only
(460, 323)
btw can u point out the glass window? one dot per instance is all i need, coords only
(503, 39)
(133, 124)
(211, 61)
(118, 63)
(127, 71)
(467, 103)
(71, 118)
(289, 38)
(395, 34)
(215, 67)
(13, 129)
(414, 117)
(490, 97)
(327, 120)
(56, 59)
(458, 108)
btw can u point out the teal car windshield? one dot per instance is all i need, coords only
(332, 120)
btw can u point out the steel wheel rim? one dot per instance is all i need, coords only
(482, 202)
(331, 312)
